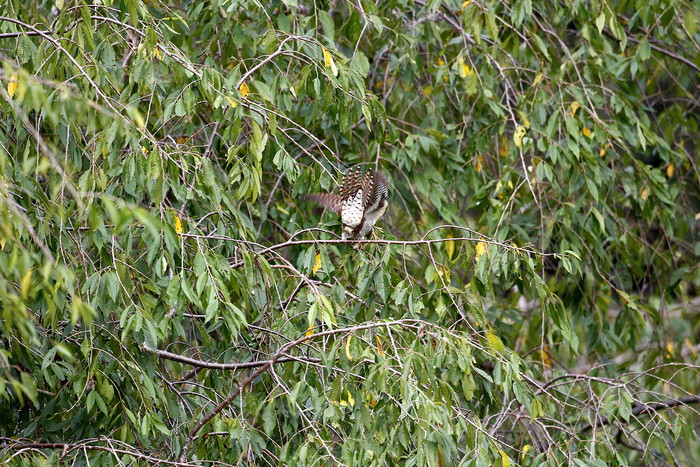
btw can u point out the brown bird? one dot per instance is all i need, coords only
(362, 202)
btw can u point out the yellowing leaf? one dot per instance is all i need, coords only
(691, 348)
(329, 62)
(524, 119)
(481, 248)
(317, 264)
(586, 132)
(537, 80)
(380, 347)
(351, 400)
(182, 140)
(144, 150)
(527, 448)
(309, 331)
(12, 85)
(670, 170)
(644, 194)
(601, 153)
(178, 223)
(479, 163)
(463, 68)
(26, 282)
(669, 348)
(573, 107)
(494, 342)
(327, 57)
(231, 102)
(157, 54)
(518, 135)
(466, 4)
(244, 89)
(505, 460)
(347, 348)
(440, 61)
(379, 84)
(450, 247)
(427, 90)
(545, 357)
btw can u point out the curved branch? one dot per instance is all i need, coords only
(276, 358)
(646, 408)
(224, 366)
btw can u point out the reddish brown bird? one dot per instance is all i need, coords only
(362, 201)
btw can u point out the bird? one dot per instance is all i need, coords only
(362, 201)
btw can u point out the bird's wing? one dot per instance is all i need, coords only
(329, 201)
(352, 183)
(353, 194)
(380, 189)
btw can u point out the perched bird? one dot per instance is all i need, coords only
(361, 203)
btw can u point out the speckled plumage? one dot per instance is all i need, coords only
(361, 203)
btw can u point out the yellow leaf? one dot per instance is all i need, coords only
(244, 89)
(178, 223)
(670, 170)
(232, 102)
(691, 348)
(157, 54)
(586, 132)
(505, 460)
(669, 348)
(481, 248)
(327, 57)
(351, 400)
(329, 62)
(427, 90)
(545, 357)
(479, 163)
(144, 150)
(309, 331)
(26, 282)
(644, 194)
(440, 61)
(463, 68)
(317, 264)
(450, 247)
(537, 80)
(494, 342)
(379, 84)
(523, 117)
(518, 135)
(12, 85)
(466, 4)
(527, 448)
(601, 153)
(347, 348)
(380, 347)
(573, 107)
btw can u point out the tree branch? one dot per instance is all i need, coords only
(640, 409)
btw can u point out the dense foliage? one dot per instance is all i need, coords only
(531, 296)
